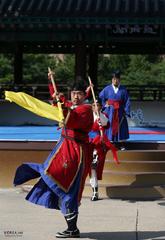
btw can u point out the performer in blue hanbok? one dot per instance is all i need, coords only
(116, 102)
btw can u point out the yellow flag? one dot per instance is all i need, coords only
(34, 105)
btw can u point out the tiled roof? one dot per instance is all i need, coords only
(82, 8)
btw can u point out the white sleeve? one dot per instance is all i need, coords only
(103, 119)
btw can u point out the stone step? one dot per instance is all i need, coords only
(141, 193)
(134, 173)
(132, 179)
(138, 155)
(127, 192)
(143, 145)
(138, 166)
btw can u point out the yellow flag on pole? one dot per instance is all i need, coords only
(34, 105)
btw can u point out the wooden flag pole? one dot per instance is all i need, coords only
(95, 103)
(55, 91)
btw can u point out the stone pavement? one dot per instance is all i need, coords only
(107, 219)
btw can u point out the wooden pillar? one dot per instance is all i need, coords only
(18, 65)
(93, 66)
(80, 61)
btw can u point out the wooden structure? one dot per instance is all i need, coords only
(83, 27)
(40, 91)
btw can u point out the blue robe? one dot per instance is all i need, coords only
(46, 192)
(108, 93)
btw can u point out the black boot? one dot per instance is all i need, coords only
(95, 195)
(72, 230)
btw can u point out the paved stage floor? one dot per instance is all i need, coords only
(106, 219)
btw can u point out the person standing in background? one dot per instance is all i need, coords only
(116, 104)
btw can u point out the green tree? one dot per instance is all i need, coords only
(35, 67)
(138, 70)
(65, 70)
(157, 73)
(108, 63)
(6, 69)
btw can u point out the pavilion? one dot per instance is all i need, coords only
(85, 28)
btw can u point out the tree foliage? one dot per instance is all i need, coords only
(109, 63)
(35, 67)
(6, 69)
(65, 70)
(135, 69)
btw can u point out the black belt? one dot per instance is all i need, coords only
(72, 139)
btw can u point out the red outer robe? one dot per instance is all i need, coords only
(102, 146)
(75, 149)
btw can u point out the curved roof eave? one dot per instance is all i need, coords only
(85, 11)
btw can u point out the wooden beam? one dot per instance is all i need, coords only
(18, 65)
(93, 65)
(80, 60)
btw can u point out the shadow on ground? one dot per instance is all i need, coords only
(125, 235)
(161, 204)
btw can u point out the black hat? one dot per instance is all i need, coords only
(78, 86)
(116, 74)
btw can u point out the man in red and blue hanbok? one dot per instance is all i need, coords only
(62, 176)
(116, 104)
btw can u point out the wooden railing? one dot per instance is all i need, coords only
(137, 93)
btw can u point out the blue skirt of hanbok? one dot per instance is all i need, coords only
(46, 192)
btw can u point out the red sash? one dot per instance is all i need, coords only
(115, 119)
